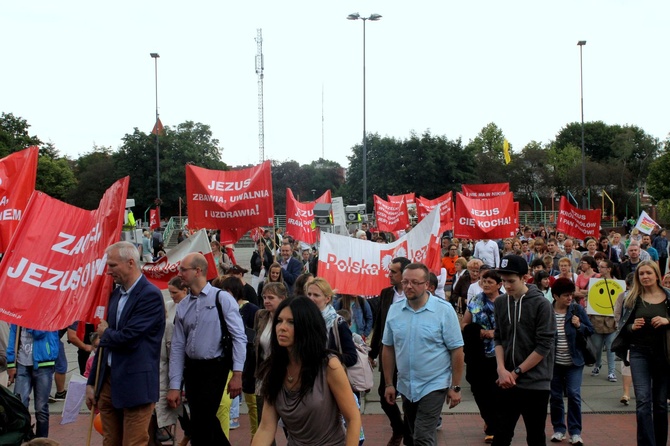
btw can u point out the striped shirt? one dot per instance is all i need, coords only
(562, 350)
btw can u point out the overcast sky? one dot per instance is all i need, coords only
(80, 72)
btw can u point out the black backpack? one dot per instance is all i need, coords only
(15, 427)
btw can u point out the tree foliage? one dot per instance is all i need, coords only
(14, 135)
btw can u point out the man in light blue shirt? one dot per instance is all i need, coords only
(422, 338)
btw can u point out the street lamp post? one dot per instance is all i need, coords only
(373, 18)
(581, 44)
(155, 57)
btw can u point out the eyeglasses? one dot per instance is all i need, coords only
(182, 269)
(412, 282)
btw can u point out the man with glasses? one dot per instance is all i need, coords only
(197, 355)
(387, 297)
(430, 362)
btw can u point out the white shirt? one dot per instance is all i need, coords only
(397, 297)
(487, 251)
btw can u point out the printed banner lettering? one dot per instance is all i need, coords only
(167, 267)
(232, 201)
(354, 266)
(484, 190)
(300, 217)
(54, 274)
(576, 222)
(424, 206)
(391, 216)
(17, 182)
(490, 218)
(409, 198)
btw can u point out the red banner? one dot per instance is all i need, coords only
(484, 190)
(167, 267)
(54, 274)
(300, 217)
(17, 182)
(232, 201)
(491, 218)
(424, 206)
(154, 219)
(576, 222)
(410, 198)
(391, 216)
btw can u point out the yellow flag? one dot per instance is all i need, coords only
(506, 152)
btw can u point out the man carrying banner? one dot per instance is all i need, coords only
(124, 381)
(524, 339)
(388, 296)
(197, 353)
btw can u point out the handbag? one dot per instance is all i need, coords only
(360, 374)
(585, 345)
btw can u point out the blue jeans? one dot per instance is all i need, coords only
(598, 340)
(37, 380)
(649, 371)
(568, 377)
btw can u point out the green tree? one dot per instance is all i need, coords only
(187, 143)
(658, 185)
(14, 134)
(95, 172)
(55, 177)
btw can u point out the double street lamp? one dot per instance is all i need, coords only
(581, 44)
(372, 18)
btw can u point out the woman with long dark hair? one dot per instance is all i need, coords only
(305, 385)
(643, 329)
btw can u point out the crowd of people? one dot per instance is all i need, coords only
(509, 317)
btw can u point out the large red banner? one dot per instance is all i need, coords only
(391, 216)
(578, 223)
(354, 266)
(490, 218)
(232, 201)
(484, 190)
(54, 274)
(167, 267)
(424, 206)
(300, 216)
(17, 182)
(409, 198)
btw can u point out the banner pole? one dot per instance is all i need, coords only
(95, 387)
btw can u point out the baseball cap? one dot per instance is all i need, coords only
(513, 264)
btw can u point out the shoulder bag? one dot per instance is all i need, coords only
(359, 374)
(226, 338)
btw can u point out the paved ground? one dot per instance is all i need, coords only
(605, 422)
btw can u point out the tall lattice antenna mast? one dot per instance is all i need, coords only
(259, 72)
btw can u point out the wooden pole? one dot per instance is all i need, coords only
(98, 357)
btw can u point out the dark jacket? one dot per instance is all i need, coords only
(349, 355)
(571, 333)
(385, 301)
(135, 345)
(525, 326)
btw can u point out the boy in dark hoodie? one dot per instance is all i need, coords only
(524, 339)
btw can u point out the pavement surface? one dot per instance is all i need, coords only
(605, 420)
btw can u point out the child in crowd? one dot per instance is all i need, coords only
(95, 342)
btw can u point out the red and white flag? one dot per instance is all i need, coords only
(424, 206)
(390, 216)
(167, 267)
(489, 218)
(578, 223)
(154, 218)
(354, 266)
(54, 274)
(300, 217)
(233, 201)
(18, 172)
(409, 198)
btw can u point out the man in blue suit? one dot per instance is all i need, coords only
(126, 389)
(292, 267)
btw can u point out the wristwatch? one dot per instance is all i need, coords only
(518, 371)
(455, 388)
